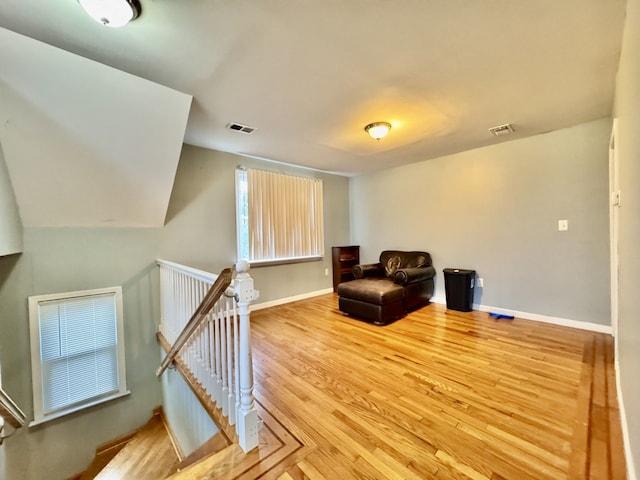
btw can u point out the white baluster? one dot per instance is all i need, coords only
(218, 385)
(161, 328)
(224, 380)
(204, 335)
(231, 333)
(168, 304)
(171, 306)
(211, 342)
(200, 363)
(181, 308)
(236, 358)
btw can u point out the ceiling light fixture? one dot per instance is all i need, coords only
(378, 130)
(111, 13)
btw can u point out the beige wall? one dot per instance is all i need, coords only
(69, 259)
(202, 216)
(496, 210)
(627, 110)
(200, 232)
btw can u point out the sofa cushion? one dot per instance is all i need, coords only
(379, 291)
(405, 276)
(391, 265)
(393, 260)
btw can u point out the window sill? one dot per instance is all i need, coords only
(78, 408)
(284, 261)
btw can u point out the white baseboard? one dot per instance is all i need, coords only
(564, 322)
(631, 470)
(295, 298)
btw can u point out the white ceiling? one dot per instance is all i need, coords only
(310, 75)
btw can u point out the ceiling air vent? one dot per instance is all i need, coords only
(501, 130)
(238, 127)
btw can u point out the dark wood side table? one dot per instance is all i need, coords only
(342, 260)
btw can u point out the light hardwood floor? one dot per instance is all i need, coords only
(438, 394)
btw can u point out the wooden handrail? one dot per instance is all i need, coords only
(10, 411)
(213, 295)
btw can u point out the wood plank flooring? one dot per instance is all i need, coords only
(436, 395)
(149, 455)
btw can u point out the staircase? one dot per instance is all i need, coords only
(147, 454)
(204, 331)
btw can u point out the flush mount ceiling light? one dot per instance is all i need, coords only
(378, 130)
(111, 13)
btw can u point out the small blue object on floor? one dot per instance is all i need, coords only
(501, 315)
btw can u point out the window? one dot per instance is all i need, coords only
(279, 217)
(77, 351)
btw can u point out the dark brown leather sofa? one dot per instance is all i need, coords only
(387, 290)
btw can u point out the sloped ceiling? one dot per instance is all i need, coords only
(10, 226)
(310, 75)
(86, 144)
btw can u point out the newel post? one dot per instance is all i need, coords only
(247, 415)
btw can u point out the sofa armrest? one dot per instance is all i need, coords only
(404, 276)
(368, 270)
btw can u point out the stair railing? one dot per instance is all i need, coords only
(211, 297)
(10, 413)
(205, 319)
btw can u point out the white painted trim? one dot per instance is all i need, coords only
(631, 470)
(564, 322)
(295, 298)
(62, 413)
(11, 409)
(614, 229)
(36, 363)
(206, 277)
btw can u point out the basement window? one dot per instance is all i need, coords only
(77, 351)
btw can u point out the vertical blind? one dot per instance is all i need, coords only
(78, 350)
(284, 216)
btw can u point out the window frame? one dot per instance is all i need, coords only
(242, 222)
(37, 365)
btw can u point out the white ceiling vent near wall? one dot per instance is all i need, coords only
(502, 130)
(238, 127)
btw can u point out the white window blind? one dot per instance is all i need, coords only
(77, 350)
(279, 217)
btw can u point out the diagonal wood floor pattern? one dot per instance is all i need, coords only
(436, 395)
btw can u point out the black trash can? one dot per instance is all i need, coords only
(458, 285)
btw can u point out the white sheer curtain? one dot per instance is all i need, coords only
(284, 216)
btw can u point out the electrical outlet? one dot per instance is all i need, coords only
(326, 272)
(480, 283)
(563, 225)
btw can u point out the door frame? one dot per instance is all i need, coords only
(614, 206)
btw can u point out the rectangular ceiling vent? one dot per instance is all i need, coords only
(238, 127)
(501, 130)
